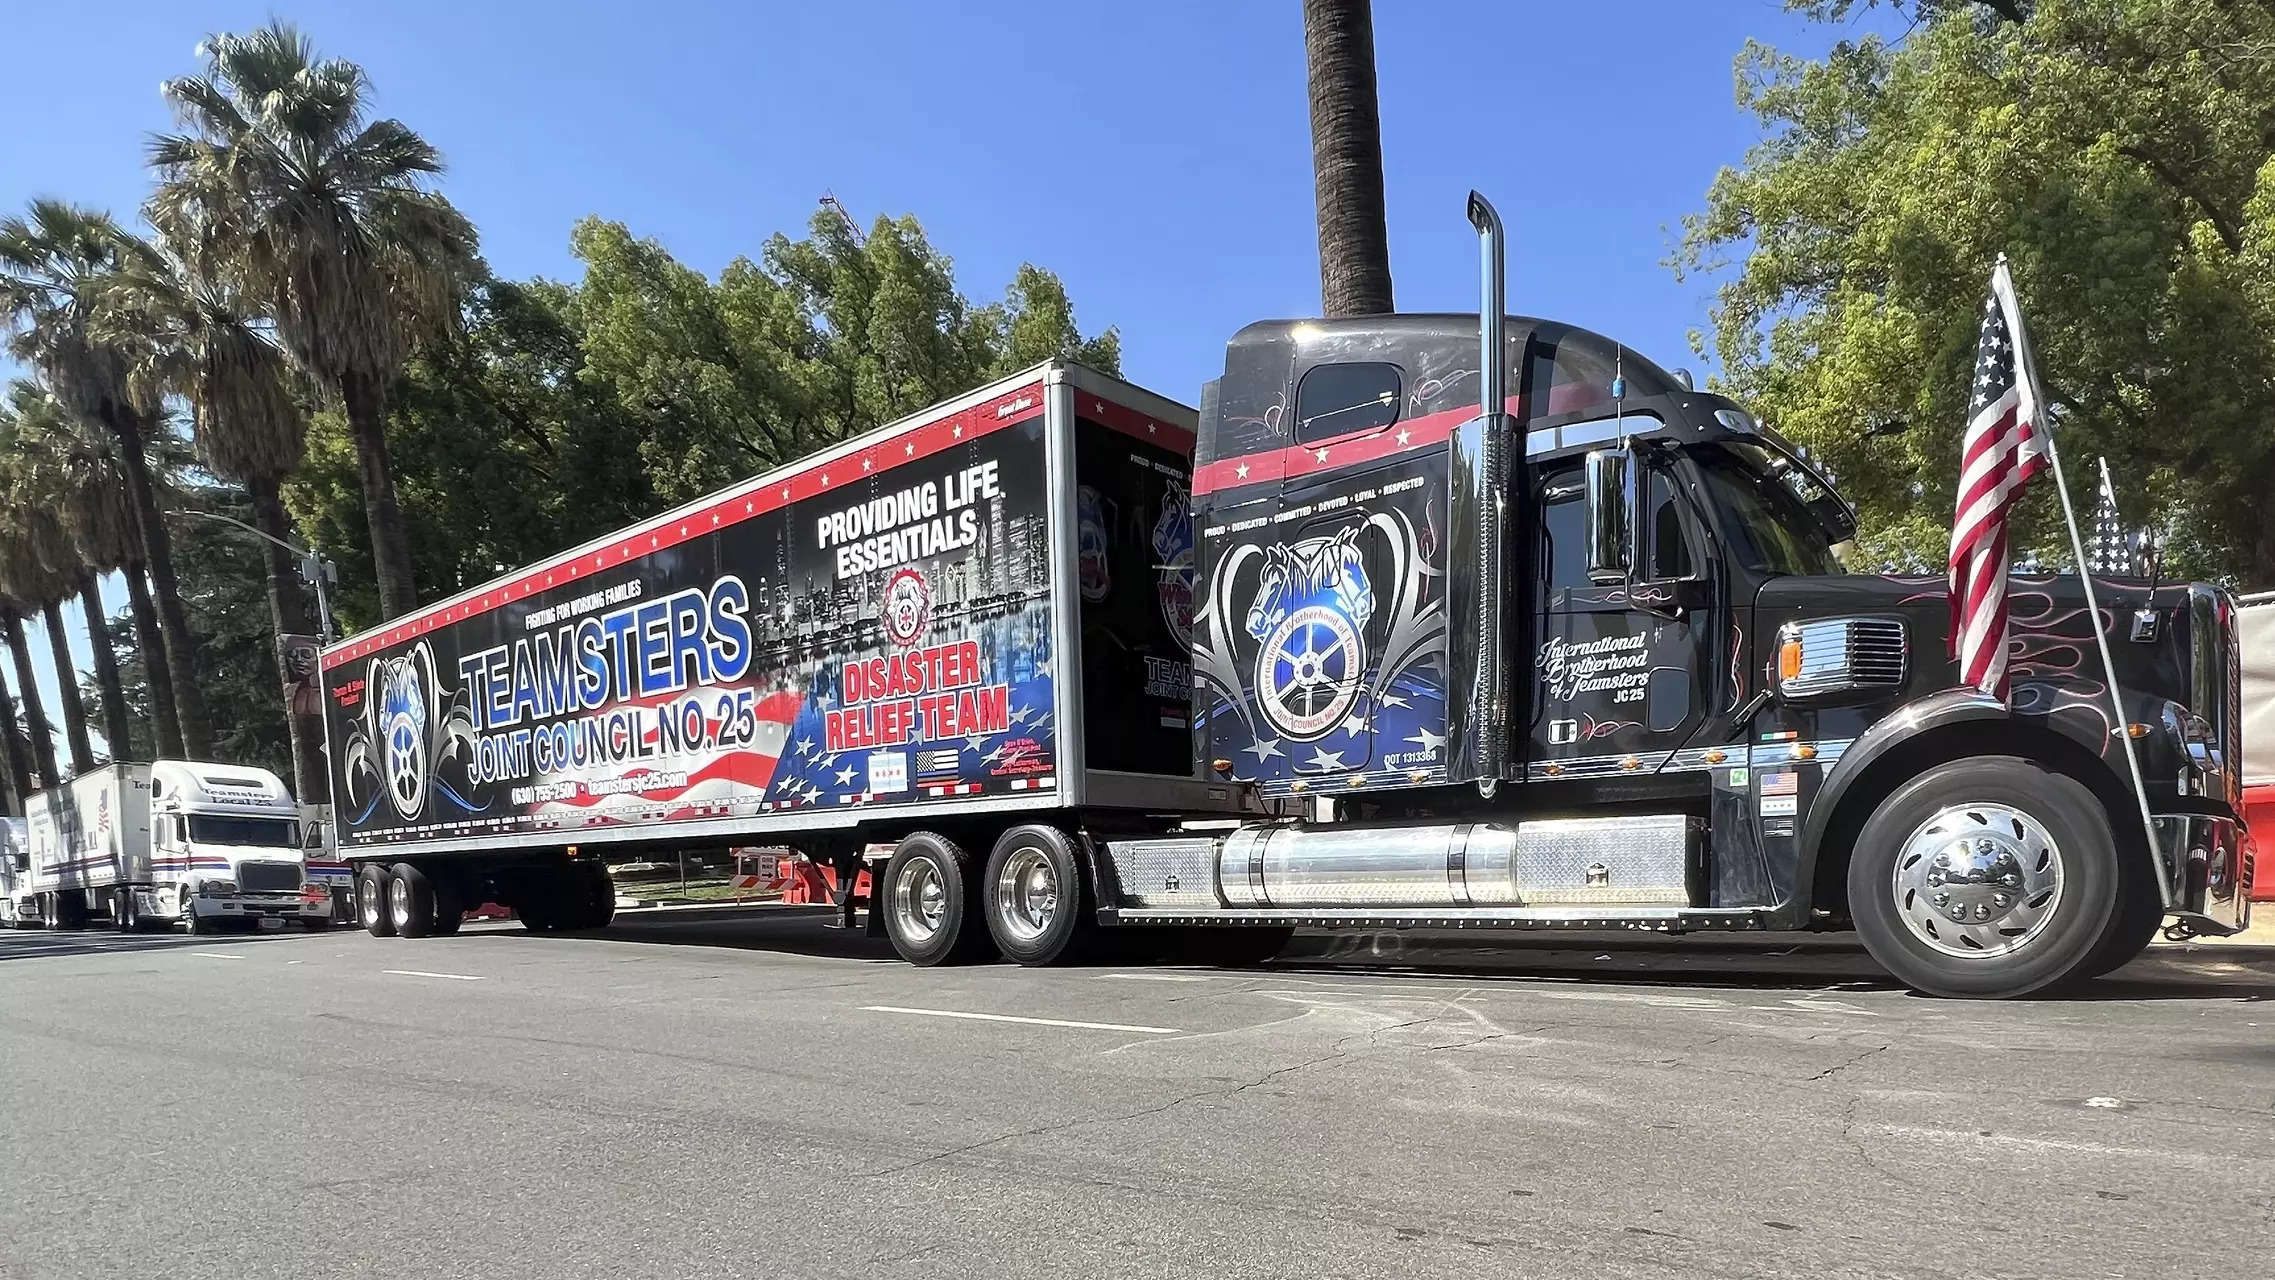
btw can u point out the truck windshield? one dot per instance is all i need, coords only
(272, 832)
(1768, 524)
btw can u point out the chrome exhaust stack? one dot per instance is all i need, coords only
(1477, 747)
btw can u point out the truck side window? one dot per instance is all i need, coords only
(1340, 399)
(1670, 553)
(1564, 529)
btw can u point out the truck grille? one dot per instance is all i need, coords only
(268, 877)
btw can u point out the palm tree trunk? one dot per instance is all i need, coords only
(67, 690)
(179, 651)
(118, 727)
(366, 408)
(35, 716)
(1346, 158)
(288, 612)
(19, 766)
(155, 671)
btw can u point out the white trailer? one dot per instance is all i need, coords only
(174, 842)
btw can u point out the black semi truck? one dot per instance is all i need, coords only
(1419, 622)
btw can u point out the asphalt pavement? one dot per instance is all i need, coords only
(746, 1093)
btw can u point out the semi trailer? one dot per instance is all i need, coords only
(1419, 621)
(174, 842)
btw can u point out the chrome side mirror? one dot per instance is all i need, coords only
(1611, 514)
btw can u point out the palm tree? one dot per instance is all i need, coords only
(54, 268)
(77, 471)
(328, 218)
(22, 576)
(203, 342)
(12, 753)
(1346, 157)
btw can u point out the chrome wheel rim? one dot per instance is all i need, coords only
(1978, 881)
(367, 903)
(399, 898)
(1026, 894)
(920, 899)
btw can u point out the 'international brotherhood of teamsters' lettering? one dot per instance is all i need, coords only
(920, 522)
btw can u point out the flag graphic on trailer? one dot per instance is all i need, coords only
(2005, 445)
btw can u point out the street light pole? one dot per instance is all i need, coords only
(312, 566)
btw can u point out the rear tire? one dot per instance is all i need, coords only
(1039, 904)
(594, 894)
(932, 903)
(371, 900)
(1984, 878)
(449, 906)
(410, 900)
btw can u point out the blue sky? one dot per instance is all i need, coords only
(1156, 156)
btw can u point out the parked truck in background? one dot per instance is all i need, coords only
(204, 846)
(15, 866)
(1418, 622)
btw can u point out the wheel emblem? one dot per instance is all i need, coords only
(403, 718)
(1307, 674)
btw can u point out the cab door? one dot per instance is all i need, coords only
(1620, 668)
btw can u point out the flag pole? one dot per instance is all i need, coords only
(2004, 284)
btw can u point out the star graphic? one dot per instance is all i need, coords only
(1263, 749)
(805, 746)
(973, 741)
(1241, 471)
(1395, 700)
(909, 449)
(1043, 668)
(829, 760)
(1020, 716)
(1405, 436)
(845, 775)
(959, 432)
(1323, 455)
(1355, 724)
(864, 464)
(1429, 741)
(1322, 758)
(992, 756)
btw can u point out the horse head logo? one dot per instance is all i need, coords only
(1309, 615)
(1094, 571)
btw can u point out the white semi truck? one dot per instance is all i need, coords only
(15, 865)
(175, 842)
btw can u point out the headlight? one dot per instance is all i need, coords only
(217, 889)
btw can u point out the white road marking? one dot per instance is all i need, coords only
(421, 973)
(1034, 1022)
(1159, 977)
(220, 955)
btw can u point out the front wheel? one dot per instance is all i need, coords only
(193, 923)
(1988, 877)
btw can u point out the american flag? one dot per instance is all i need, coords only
(2108, 550)
(2005, 446)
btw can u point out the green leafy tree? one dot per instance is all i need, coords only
(40, 562)
(508, 453)
(821, 338)
(56, 264)
(327, 216)
(2119, 151)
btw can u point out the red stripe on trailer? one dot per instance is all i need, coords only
(1130, 422)
(757, 497)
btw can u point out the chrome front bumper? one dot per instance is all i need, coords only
(2207, 863)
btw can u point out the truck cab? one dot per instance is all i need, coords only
(1517, 629)
(226, 842)
(15, 873)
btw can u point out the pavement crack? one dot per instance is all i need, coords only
(1834, 1070)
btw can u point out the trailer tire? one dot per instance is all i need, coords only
(1039, 907)
(2024, 852)
(931, 900)
(410, 900)
(371, 900)
(594, 895)
(71, 910)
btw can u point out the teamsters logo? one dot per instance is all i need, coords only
(403, 732)
(1310, 611)
(908, 607)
